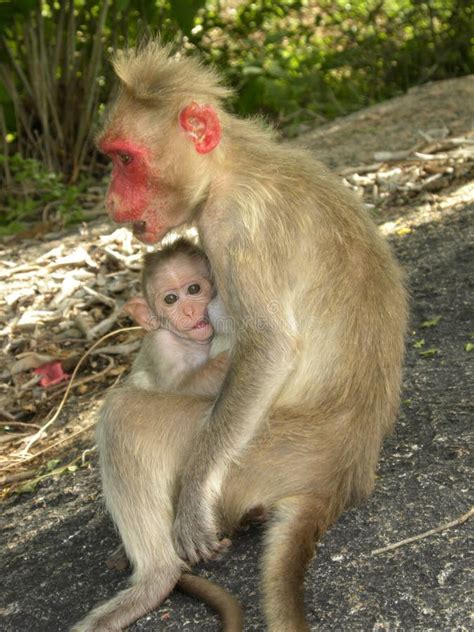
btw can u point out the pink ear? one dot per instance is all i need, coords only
(139, 310)
(202, 124)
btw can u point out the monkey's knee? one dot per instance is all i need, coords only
(115, 418)
(116, 405)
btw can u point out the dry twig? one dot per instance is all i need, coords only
(421, 536)
(15, 477)
(56, 444)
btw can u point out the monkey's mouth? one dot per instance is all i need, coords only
(139, 229)
(204, 322)
(146, 233)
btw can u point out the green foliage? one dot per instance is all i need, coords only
(35, 193)
(51, 469)
(9, 10)
(184, 12)
(302, 59)
(432, 351)
(296, 61)
(432, 322)
(54, 71)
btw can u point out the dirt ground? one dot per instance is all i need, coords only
(398, 124)
(55, 539)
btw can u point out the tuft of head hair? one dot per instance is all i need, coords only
(153, 261)
(151, 71)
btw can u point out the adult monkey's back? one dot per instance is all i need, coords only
(316, 295)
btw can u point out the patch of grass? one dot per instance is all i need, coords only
(32, 193)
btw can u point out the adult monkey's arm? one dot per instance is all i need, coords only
(262, 359)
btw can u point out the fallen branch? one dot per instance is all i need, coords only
(7, 415)
(375, 166)
(21, 424)
(55, 472)
(421, 536)
(6, 479)
(107, 324)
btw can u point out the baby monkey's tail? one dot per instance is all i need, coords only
(225, 604)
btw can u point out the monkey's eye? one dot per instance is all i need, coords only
(125, 158)
(170, 299)
(195, 288)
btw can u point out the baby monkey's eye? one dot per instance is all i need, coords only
(170, 299)
(195, 288)
(125, 158)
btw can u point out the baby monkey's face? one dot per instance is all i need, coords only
(182, 292)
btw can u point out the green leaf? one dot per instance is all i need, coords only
(429, 352)
(250, 94)
(11, 229)
(121, 5)
(28, 487)
(51, 465)
(469, 346)
(419, 344)
(8, 10)
(248, 71)
(431, 323)
(185, 11)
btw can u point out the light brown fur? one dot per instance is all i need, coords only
(320, 313)
(166, 363)
(171, 358)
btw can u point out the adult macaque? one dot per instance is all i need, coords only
(175, 355)
(320, 314)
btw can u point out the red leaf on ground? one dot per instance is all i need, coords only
(52, 373)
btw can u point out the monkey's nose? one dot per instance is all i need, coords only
(139, 228)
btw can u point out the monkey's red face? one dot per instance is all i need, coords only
(157, 185)
(134, 196)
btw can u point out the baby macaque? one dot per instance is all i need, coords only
(175, 357)
(176, 353)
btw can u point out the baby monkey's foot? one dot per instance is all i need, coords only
(118, 561)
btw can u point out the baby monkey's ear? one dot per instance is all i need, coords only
(141, 313)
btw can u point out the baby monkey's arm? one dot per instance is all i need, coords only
(207, 379)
